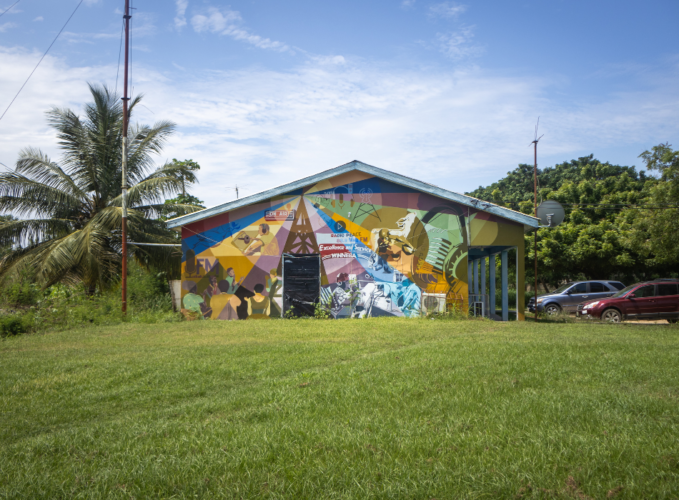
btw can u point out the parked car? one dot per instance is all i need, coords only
(567, 297)
(657, 299)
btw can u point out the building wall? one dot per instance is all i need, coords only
(383, 247)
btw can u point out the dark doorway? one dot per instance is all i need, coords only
(301, 283)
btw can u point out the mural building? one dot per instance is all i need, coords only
(375, 247)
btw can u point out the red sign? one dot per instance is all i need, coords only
(334, 251)
(279, 215)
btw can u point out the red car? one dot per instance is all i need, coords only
(657, 299)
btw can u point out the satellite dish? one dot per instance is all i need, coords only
(551, 213)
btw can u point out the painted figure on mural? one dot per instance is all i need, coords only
(259, 305)
(229, 284)
(211, 290)
(194, 302)
(264, 243)
(274, 286)
(343, 293)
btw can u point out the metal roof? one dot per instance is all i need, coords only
(528, 221)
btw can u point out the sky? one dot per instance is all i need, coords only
(265, 92)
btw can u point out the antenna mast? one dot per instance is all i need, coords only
(535, 210)
(126, 118)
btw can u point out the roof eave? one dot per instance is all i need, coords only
(505, 213)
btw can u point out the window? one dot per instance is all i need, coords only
(616, 284)
(667, 289)
(579, 288)
(645, 291)
(597, 288)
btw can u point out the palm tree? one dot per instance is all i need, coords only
(69, 213)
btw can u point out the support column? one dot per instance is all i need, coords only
(505, 290)
(491, 268)
(476, 277)
(482, 263)
(470, 283)
(518, 278)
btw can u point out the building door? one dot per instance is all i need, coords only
(301, 283)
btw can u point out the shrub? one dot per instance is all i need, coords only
(21, 293)
(12, 325)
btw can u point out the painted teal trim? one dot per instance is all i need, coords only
(528, 221)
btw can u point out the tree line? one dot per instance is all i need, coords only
(621, 223)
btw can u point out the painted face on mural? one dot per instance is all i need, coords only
(231, 273)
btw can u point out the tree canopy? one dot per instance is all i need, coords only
(68, 225)
(600, 238)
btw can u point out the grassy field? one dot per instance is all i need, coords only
(348, 409)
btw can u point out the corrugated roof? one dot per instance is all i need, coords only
(527, 220)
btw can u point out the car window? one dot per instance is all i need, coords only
(579, 288)
(667, 289)
(645, 291)
(595, 287)
(616, 284)
(562, 288)
(623, 292)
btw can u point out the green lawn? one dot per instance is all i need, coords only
(389, 408)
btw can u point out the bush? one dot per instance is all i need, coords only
(21, 294)
(12, 325)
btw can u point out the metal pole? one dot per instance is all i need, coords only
(126, 17)
(535, 208)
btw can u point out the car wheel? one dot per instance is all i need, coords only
(611, 316)
(552, 309)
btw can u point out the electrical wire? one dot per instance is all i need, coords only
(120, 51)
(43, 57)
(10, 8)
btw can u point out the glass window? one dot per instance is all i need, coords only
(579, 288)
(667, 289)
(562, 288)
(623, 292)
(597, 287)
(645, 291)
(616, 284)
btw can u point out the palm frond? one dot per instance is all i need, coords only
(36, 165)
(23, 196)
(29, 231)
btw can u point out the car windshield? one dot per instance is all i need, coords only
(563, 288)
(623, 291)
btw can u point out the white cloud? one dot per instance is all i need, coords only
(228, 22)
(39, 18)
(180, 18)
(446, 10)
(457, 45)
(407, 3)
(4, 27)
(260, 128)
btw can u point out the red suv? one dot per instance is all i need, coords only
(657, 299)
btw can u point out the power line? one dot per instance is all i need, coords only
(120, 51)
(43, 57)
(10, 8)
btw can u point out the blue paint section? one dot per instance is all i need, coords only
(374, 185)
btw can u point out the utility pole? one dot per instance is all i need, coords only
(535, 210)
(126, 119)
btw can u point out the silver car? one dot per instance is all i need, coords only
(567, 297)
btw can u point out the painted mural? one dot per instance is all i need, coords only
(384, 250)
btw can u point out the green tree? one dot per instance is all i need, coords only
(590, 244)
(654, 232)
(69, 226)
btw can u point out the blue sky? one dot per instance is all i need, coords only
(264, 92)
